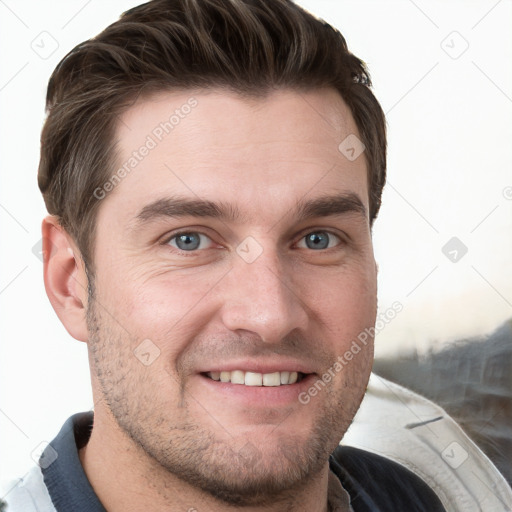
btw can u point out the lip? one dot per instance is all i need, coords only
(258, 396)
(260, 366)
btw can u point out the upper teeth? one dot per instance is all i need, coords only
(255, 379)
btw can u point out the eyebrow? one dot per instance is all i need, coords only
(176, 207)
(179, 207)
(325, 206)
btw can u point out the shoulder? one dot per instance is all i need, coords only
(419, 437)
(28, 494)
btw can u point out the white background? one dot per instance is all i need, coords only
(450, 174)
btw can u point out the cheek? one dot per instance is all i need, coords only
(345, 300)
(168, 309)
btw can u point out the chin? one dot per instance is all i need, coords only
(258, 475)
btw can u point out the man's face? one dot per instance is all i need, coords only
(273, 273)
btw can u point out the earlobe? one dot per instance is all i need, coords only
(65, 279)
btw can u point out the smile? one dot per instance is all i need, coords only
(257, 379)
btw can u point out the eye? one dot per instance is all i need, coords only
(190, 241)
(319, 240)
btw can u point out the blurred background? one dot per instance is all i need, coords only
(443, 239)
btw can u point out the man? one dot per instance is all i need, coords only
(212, 170)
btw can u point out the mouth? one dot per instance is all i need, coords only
(254, 379)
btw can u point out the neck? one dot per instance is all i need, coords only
(127, 479)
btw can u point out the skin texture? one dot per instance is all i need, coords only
(165, 437)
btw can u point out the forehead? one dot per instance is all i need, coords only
(264, 154)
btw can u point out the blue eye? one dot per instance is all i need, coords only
(319, 240)
(189, 241)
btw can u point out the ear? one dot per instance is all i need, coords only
(65, 279)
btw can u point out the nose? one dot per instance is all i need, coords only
(260, 297)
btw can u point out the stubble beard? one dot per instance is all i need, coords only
(195, 454)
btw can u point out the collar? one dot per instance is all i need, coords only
(70, 489)
(65, 477)
(337, 497)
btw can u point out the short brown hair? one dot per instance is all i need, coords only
(246, 46)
